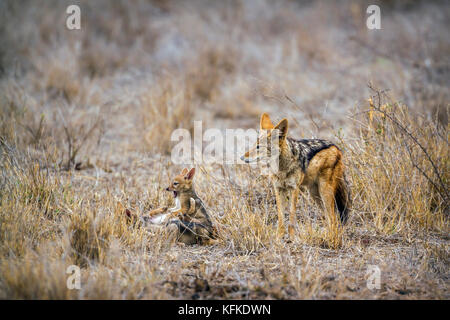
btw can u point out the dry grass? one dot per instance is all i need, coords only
(164, 109)
(86, 119)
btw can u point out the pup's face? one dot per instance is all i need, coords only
(182, 182)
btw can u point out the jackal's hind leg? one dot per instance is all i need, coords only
(315, 195)
(327, 194)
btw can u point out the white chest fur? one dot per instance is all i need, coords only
(177, 205)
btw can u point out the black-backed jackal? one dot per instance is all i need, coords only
(312, 163)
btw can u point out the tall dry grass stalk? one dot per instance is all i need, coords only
(399, 168)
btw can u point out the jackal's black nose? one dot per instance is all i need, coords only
(167, 189)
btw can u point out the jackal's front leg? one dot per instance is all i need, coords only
(192, 206)
(293, 204)
(157, 211)
(279, 197)
(174, 214)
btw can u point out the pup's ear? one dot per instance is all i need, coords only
(266, 124)
(282, 127)
(190, 174)
(184, 171)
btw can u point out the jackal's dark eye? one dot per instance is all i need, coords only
(257, 147)
(175, 183)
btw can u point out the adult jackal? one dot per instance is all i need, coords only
(312, 163)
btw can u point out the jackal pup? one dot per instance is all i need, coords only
(194, 224)
(312, 163)
(188, 220)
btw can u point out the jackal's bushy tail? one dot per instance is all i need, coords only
(343, 199)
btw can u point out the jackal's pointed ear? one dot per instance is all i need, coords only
(184, 171)
(265, 122)
(282, 127)
(190, 174)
